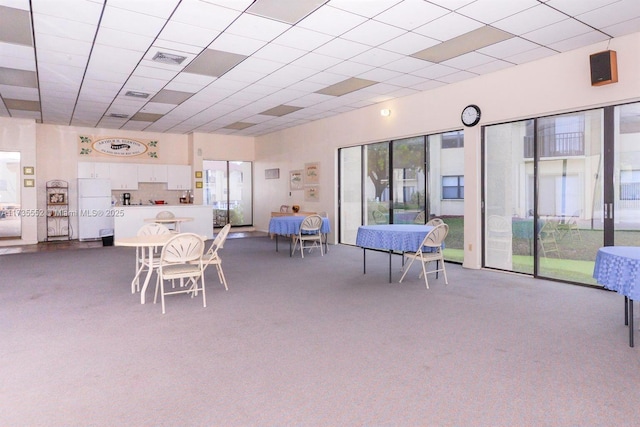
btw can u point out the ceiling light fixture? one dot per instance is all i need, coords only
(119, 115)
(385, 112)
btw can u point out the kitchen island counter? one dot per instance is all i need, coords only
(129, 219)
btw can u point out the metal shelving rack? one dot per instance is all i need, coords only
(58, 226)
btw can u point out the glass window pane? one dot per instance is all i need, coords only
(377, 183)
(408, 179)
(10, 224)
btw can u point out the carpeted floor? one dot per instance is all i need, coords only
(307, 342)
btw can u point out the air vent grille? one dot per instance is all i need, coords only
(119, 115)
(169, 58)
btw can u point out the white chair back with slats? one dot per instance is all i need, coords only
(430, 250)
(181, 258)
(212, 257)
(309, 232)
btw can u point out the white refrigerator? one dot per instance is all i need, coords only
(94, 208)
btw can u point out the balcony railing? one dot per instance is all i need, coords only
(556, 145)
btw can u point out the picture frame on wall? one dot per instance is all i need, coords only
(296, 180)
(272, 173)
(312, 173)
(312, 194)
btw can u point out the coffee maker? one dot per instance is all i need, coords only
(126, 199)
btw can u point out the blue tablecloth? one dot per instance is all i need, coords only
(392, 237)
(286, 225)
(618, 268)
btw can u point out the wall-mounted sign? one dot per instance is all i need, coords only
(120, 147)
(90, 146)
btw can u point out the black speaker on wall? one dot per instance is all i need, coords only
(604, 68)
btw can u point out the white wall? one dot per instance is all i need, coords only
(559, 83)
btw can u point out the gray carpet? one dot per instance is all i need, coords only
(310, 342)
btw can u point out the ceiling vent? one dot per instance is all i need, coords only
(119, 115)
(169, 58)
(136, 94)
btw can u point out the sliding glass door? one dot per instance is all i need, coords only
(228, 190)
(553, 194)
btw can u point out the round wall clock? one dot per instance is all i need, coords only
(470, 115)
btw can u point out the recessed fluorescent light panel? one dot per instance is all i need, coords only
(22, 105)
(15, 26)
(469, 42)
(346, 86)
(173, 97)
(14, 77)
(168, 58)
(136, 94)
(281, 110)
(286, 11)
(146, 117)
(214, 63)
(239, 125)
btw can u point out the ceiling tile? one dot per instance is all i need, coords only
(160, 9)
(367, 9)
(556, 32)
(282, 54)
(145, 117)
(62, 44)
(204, 15)
(349, 68)
(110, 37)
(236, 44)
(332, 21)
(373, 33)
(19, 92)
(131, 22)
(257, 27)
(611, 14)
(573, 7)
(44, 24)
(343, 49)
(300, 38)
(171, 97)
(20, 104)
(447, 27)
(79, 11)
(316, 61)
(188, 34)
(157, 108)
(576, 42)
(408, 43)
(529, 20)
(411, 14)
(489, 11)
(530, 55)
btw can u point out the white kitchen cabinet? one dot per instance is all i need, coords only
(124, 176)
(179, 177)
(152, 173)
(93, 170)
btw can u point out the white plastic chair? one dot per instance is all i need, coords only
(309, 232)
(142, 259)
(212, 257)
(430, 250)
(181, 258)
(434, 222)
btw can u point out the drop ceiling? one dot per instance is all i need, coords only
(246, 67)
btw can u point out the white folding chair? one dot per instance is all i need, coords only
(141, 257)
(212, 257)
(309, 232)
(181, 258)
(430, 250)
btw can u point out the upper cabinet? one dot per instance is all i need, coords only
(152, 173)
(124, 176)
(179, 177)
(93, 170)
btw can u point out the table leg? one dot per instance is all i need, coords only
(276, 243)
(364, 261)
(135, 283)
(148, 277)
(390, 266)
(630, 322)
(626, 311)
